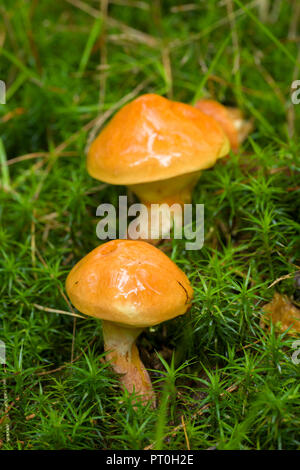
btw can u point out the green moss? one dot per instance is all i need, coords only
(47, 217)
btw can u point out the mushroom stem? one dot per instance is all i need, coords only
(119, 342)
(164, 202)
(156, 221)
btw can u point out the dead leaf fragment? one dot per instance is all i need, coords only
(282, 313)
(11, 114)
(30, 417)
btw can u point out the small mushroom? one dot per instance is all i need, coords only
(158, 149)
(129, 285)
(232, 120)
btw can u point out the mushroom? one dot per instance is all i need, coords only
(129, 285)
(158, 149)
(232, 120)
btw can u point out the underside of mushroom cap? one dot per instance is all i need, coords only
(152, 139)
(130, 283)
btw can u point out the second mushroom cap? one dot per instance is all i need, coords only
(152, 139)
(130, 283)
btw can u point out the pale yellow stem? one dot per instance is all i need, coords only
(163, 206)
(119, 342)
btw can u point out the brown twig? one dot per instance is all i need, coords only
(286, 276)
(185, 433)
(139, 36)
(55, 310)
(30, 156)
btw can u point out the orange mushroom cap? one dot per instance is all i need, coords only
(152, 139)
(129, 282)
(224, 117)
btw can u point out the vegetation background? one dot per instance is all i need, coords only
(223, 382)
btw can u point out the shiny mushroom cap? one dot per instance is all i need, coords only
(129, 282)
(152, 139)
